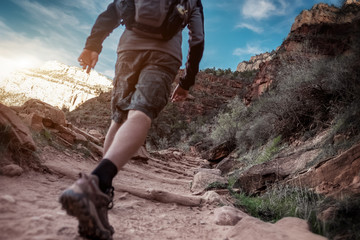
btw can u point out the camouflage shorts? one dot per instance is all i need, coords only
(142, 82)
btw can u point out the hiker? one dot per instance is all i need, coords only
(149, 57)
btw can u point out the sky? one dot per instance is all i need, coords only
(35, 31)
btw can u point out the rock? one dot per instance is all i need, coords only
(8, 198)
(211, 197)
(141, 154)
(11, 170)
(66, 134)
(334, 175)
(209, 171)
(19, 136)
(33, 120)
(96, 134)
(324, 14)
(98, 150)
(228, 216)
(351, 2)
(250, 228)
(218, 153)
(228, 164)
(319, 14)
(50, 115)
(254, 62)
(257, 178)
(203, 179)
(80, 138)
(70, 86)
(356, 180)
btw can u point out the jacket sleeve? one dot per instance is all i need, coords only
(104, 25)
(196, 46)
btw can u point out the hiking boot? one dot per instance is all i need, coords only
(85, 201)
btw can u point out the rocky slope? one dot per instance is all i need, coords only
(323, 31)
(255, 61)
(56, 84)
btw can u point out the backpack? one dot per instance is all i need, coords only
(159, 19)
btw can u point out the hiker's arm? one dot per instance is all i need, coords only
(104, 25)
(196, 46)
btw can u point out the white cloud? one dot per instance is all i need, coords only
(250, 27)
(264, 8)
(248, 50)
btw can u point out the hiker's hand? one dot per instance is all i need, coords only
(179, 94)
(88, 59)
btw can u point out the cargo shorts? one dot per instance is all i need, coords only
(143, 80)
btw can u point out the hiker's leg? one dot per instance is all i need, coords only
(114, 127)
(128, 138)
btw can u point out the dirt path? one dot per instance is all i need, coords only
(29, 207)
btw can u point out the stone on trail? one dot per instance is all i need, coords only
(289, 228)
(11, 170)
(203, 179)
(228, 216)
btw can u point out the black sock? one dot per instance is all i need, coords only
(105, 171)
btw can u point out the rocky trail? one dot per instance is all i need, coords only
(161, 195)
(152, 201)
(30, 209)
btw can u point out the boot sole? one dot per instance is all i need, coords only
(79, 206)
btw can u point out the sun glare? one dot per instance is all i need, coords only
(9, 65)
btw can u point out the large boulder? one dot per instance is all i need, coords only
(257, 178)
(250, 228)
(218, 153)
(242, 226)
(16, 143)
(13, 131)
(38, 114)
(334, 176)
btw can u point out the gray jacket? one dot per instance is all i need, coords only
(109, 20)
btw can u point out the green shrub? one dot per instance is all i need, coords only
(216, 185)
(270, 150)
(280, 202)
(228, 123)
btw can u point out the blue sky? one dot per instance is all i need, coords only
(35, 31)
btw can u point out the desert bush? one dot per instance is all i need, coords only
(227, 124)
(308, 94)
(173, 129)
(228, 73)
(166, 130)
